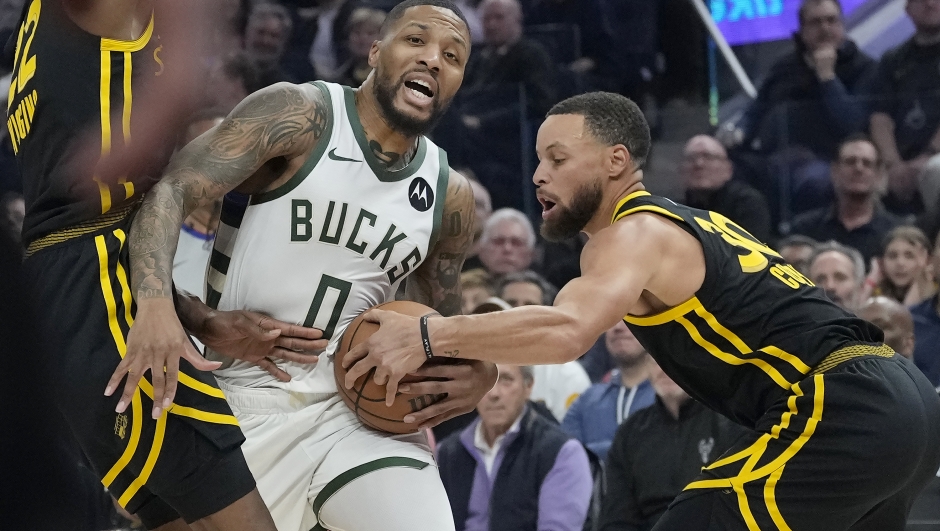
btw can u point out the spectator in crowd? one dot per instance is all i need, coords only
(927, 329)
(198, 231)
(797, 249)
(470, 10)
(512, 469)
(906, 120)
(904, 267)
(594, 417)
(895, 320)
(324, 36)
(657, 452)
(231, 81)
(856, 218)
(266, 37)
(557, 386)
(13, 210)
(527, 288)
(361, 31)
(815, 89)
(508, 242)
(706, 172)
(483, 206)
(476, 287)
(599, 65)
(508, 58)
(840, 271)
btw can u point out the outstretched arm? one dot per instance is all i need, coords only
(282, 121)
(437, 284)
(618, 264)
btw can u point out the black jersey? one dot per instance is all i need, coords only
(755, 327)
(69, 88)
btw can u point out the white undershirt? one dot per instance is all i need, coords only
(487, 452)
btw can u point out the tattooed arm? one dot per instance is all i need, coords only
(283, 121)
(437, 284)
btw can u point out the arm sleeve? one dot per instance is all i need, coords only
(566, 491)
(619, 511)
(845, 110)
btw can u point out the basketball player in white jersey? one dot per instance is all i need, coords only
(345, 199)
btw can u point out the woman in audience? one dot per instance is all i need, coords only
(361, 31)
(904, 267)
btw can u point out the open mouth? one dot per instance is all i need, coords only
(420, 88)
(547, 205)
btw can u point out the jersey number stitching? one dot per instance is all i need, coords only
(752, 262)
(326, 283)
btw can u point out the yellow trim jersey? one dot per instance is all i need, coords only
(755, 328)
(71, 101)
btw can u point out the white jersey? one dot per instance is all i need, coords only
(333, 241)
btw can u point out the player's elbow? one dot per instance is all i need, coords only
(571, 340)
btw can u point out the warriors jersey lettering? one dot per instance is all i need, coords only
(58, 106)
(755, 328)
(333, 241)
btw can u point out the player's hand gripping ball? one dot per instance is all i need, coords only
(366, 398)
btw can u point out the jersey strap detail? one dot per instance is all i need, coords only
(381, 172)
(667, 316)
(311, 161)
(442, 182)
(354, 473)
(621, 205)
(116, 45)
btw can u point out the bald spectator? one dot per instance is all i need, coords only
(856, 218)
(797, 249)
(508, 242)
(706, 171)
(508, 58)
(927, 329)
(840, 271)
(894, 320)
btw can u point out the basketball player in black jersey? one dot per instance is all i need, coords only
(84, 76)
(846, 431)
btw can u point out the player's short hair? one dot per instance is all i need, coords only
(399, 11)
(508, 214)
(801, 14)
(549, 291)
(612, 119)
(854, 256)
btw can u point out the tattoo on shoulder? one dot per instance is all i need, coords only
(280, 121)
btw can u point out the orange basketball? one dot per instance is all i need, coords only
(366, 399)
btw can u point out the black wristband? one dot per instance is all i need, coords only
(425, 338)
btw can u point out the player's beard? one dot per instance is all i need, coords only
(569, 221)
(385, 90)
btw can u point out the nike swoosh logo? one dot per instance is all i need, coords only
(332, 154)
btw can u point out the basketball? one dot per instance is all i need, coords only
(366, 399)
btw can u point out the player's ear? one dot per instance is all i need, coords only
(619, 161)
(374, 54)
